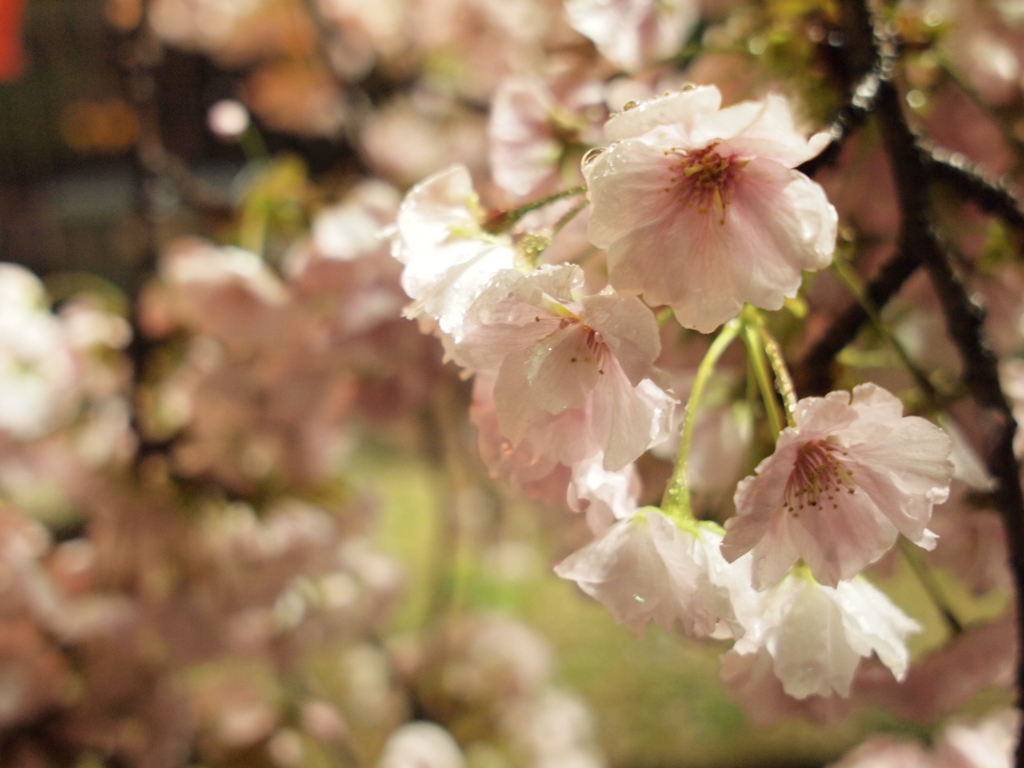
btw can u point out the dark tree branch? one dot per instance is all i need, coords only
(853, 113)
(971, 183)
(935, 164)
(964, 321)
(814, 375)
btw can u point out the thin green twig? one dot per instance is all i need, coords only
(676, 501)
(759, 364)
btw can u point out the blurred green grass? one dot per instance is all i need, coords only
(656, 699)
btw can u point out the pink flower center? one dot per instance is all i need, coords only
(704, 178)
(817, 477)
(593, 347)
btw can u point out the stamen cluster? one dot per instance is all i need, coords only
(851, 475)
(704, 178)
(818, 476)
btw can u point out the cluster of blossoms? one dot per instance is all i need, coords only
(162, 627)
(698, 208)
(188, 566)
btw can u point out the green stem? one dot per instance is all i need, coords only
(756, 356)
(783, 379)
(505, 220)
(572, 213)
(676, 501)
(931, 586)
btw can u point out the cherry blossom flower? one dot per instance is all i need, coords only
(523, 465)
(972, 544)
(37, 369)
(553, 729)
(983, 656)
(602, 495)
(634, 33)
(448, 257)
(851, 475)
(751, 680)
(647, 568)
(524, 147)
(421, 744)
(585, 361)
(988, 744)
(700, 208)
(817, 635)
(887, 751)
(224, 291)
(493, 658)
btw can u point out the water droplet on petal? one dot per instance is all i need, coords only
(591, 156)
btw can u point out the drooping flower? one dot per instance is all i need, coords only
(647, 568)
(817, 635)
(700, 208)
(602, 495)
(852, 474)
(751, 680)
(634, 33)
(523, 466)
(586, 486)
(448, 257)
(576, 367)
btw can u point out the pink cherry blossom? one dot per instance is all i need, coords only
(700, 208)
(524, 147)
(983, 656)
(602, 495)
(885, 751)
(523, 466)
(634, 33)
(421, 743)
(972, 544)
(586, 486)
(448, 257)
(817, 635)
(578, 368)
(647, 568)
(851, 475)
(751, 679)
(989, 743)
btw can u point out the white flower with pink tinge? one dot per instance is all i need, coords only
(448, 256)
(817, 635)
(634, 33)
(602, 495)
(573, 372)
(700, 208)
(851, 475)
(647, 568)
(524, 146)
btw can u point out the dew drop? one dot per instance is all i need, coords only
(591, 156)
